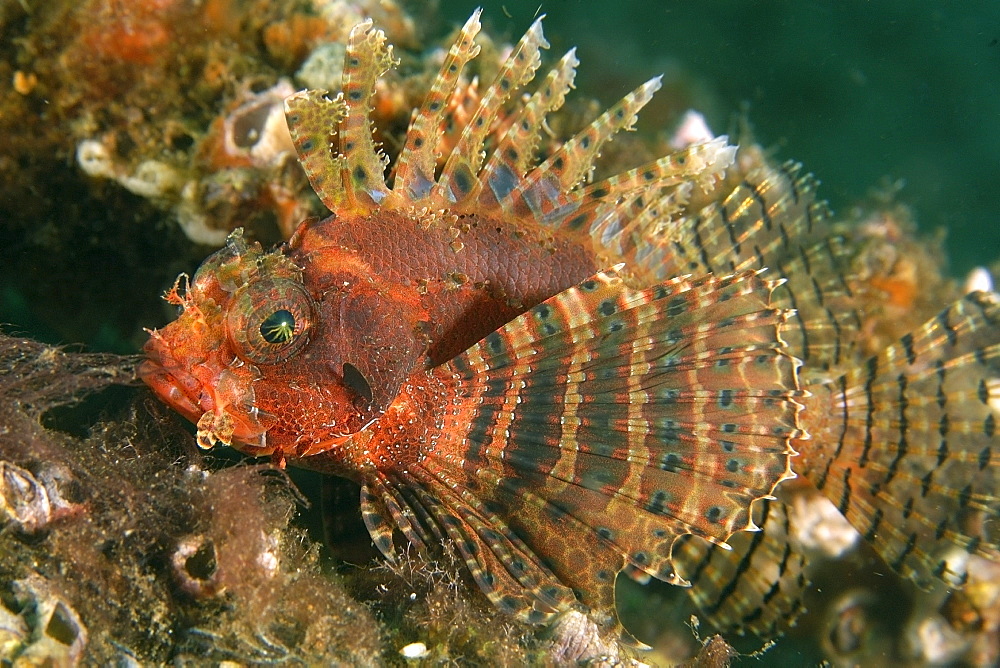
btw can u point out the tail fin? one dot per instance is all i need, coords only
(907, 445)
(593, 430)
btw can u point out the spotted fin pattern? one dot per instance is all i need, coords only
(596, 428)
(505, 170)
(458, 181)
(769, 220)
(368, 57)
(311, 116)
(910, 453)
(503, 181)
(415, 168)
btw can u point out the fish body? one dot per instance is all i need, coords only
(559, 377)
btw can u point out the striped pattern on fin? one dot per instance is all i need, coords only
(757, 586)
(492, 169)
(515, 152)
(910, 451)
(459, 181)
(368, 57)
(547, 187)
(587, 208)
(312, 118)
(769, 221)
(417, 163)
(606, 422)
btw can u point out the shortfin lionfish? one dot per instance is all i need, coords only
(559, 376)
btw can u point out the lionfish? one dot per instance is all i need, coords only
(561, 377)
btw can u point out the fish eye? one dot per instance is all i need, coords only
(269, 320)
(279, 327)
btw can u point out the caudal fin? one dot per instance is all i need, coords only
(907, 447)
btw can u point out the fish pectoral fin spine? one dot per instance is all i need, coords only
(596, 428)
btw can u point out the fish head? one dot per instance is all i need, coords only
(286, 353)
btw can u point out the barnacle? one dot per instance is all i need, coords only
(196, 567)
(24, 502)
(58, 635)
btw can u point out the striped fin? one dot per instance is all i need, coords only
(504, 181)
(458, 179)
(368, 57)
(765, 215)
(546, 188)
(606, 422)
(417, 163)
(588, 207)
(511, 158)
(383, 507)
(312, 119)
(909, 450)
(758, 585)
(769, 221)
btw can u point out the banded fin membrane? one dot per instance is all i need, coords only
(492, 170)
(417, 163)
(906, 445)
(758, 586)
(593, 430)
(770, 221)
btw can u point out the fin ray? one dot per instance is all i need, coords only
(651, 381)
(312, 118)
(417, 163)
(368, 57)
(912, 456)
(459, 178)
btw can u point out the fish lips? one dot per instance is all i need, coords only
(170, 381)
(194, 396)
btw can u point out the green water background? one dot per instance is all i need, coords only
(858, 91)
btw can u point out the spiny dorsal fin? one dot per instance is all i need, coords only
(458, 179)
(516, 151)
(572, 162)
(587, 208)
(508, 184)
(417, 163)
(910, 452)
(607, 422)
(312, 121)
(368, 57)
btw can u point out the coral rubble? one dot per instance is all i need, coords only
(122, 544)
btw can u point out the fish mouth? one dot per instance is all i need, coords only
(195, 398)
(170, 381)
